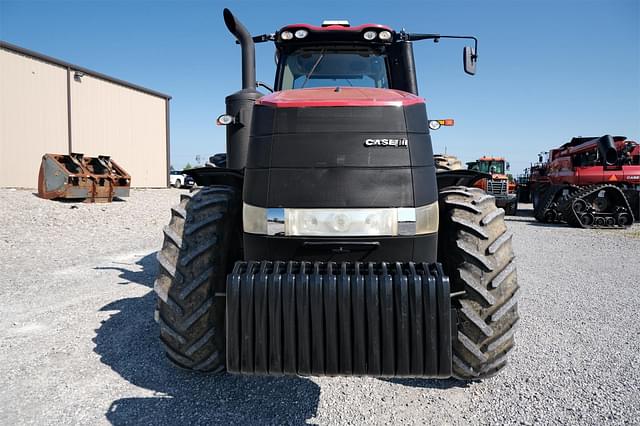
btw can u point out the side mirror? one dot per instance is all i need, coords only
(469, 58)
(508, 166)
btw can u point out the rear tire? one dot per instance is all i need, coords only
(201, 243)
(474, 247)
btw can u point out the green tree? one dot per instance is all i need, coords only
(188, 166)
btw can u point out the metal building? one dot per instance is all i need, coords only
(48, 105)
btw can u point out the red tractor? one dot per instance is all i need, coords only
(324, 242)
(589, 182)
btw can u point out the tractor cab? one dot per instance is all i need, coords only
(333, 55)
(336, 54)
(497, 167)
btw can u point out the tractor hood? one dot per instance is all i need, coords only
(340, 147)
(339, 97)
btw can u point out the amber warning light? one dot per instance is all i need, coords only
(435, 124)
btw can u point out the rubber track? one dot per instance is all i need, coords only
(481, 266)
(192, 268)
(546, 204)
(572, 217)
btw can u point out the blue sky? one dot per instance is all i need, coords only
(547, 70)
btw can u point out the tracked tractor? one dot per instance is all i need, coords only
(589, 182)
(324, 244)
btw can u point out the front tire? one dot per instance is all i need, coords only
(201, 243)
(474, 247)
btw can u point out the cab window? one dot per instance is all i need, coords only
(306, 68)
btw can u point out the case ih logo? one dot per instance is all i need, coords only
(399, 143)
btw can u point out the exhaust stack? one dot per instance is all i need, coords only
(240, 104)
(607, 150)
(248, 49)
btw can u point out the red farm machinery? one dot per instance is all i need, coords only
(589, 182)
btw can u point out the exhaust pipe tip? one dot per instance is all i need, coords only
(243, 36)
(608, 151)
(229, 20)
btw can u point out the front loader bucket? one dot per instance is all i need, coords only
(74, 176)
(326, 318)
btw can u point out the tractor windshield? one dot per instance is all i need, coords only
(496, 167)
(326, 67)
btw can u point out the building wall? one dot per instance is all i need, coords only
(33, 117)
(126, 124)
(106, 119)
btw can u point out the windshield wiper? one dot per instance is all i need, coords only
(313, 68)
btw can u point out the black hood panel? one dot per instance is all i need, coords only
(340, 157)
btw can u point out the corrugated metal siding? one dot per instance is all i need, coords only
(108, 119)
(33, 117)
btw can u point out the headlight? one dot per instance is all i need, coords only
(254, 219)
(301, 33)
(341, 222)
(427, 218)
(385, 35)
(369, 35)
(286, 35)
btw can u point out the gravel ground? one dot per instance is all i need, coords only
(78, 343)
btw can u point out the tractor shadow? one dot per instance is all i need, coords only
(442, 384)
(128, 343)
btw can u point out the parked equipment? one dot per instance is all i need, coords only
(325, 244)
(589, 182)
(444, 162)
(89, 179)
(499, 183)
(523, 189)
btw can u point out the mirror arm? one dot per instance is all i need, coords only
(265, 85)
(262, 38)
(436, 38)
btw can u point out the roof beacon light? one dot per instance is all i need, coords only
(369, 35)
(341, 22)
(385, 35)
(301, 33)
(286, 35)
(447, 122)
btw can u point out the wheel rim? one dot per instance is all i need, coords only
(611, 221)
(586, 219)
(579, 206)
(601, 204)
(600, 221)
(550, 216)
(623, 219)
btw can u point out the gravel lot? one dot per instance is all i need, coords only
(78, 343)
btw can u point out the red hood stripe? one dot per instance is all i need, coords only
(339, 97)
